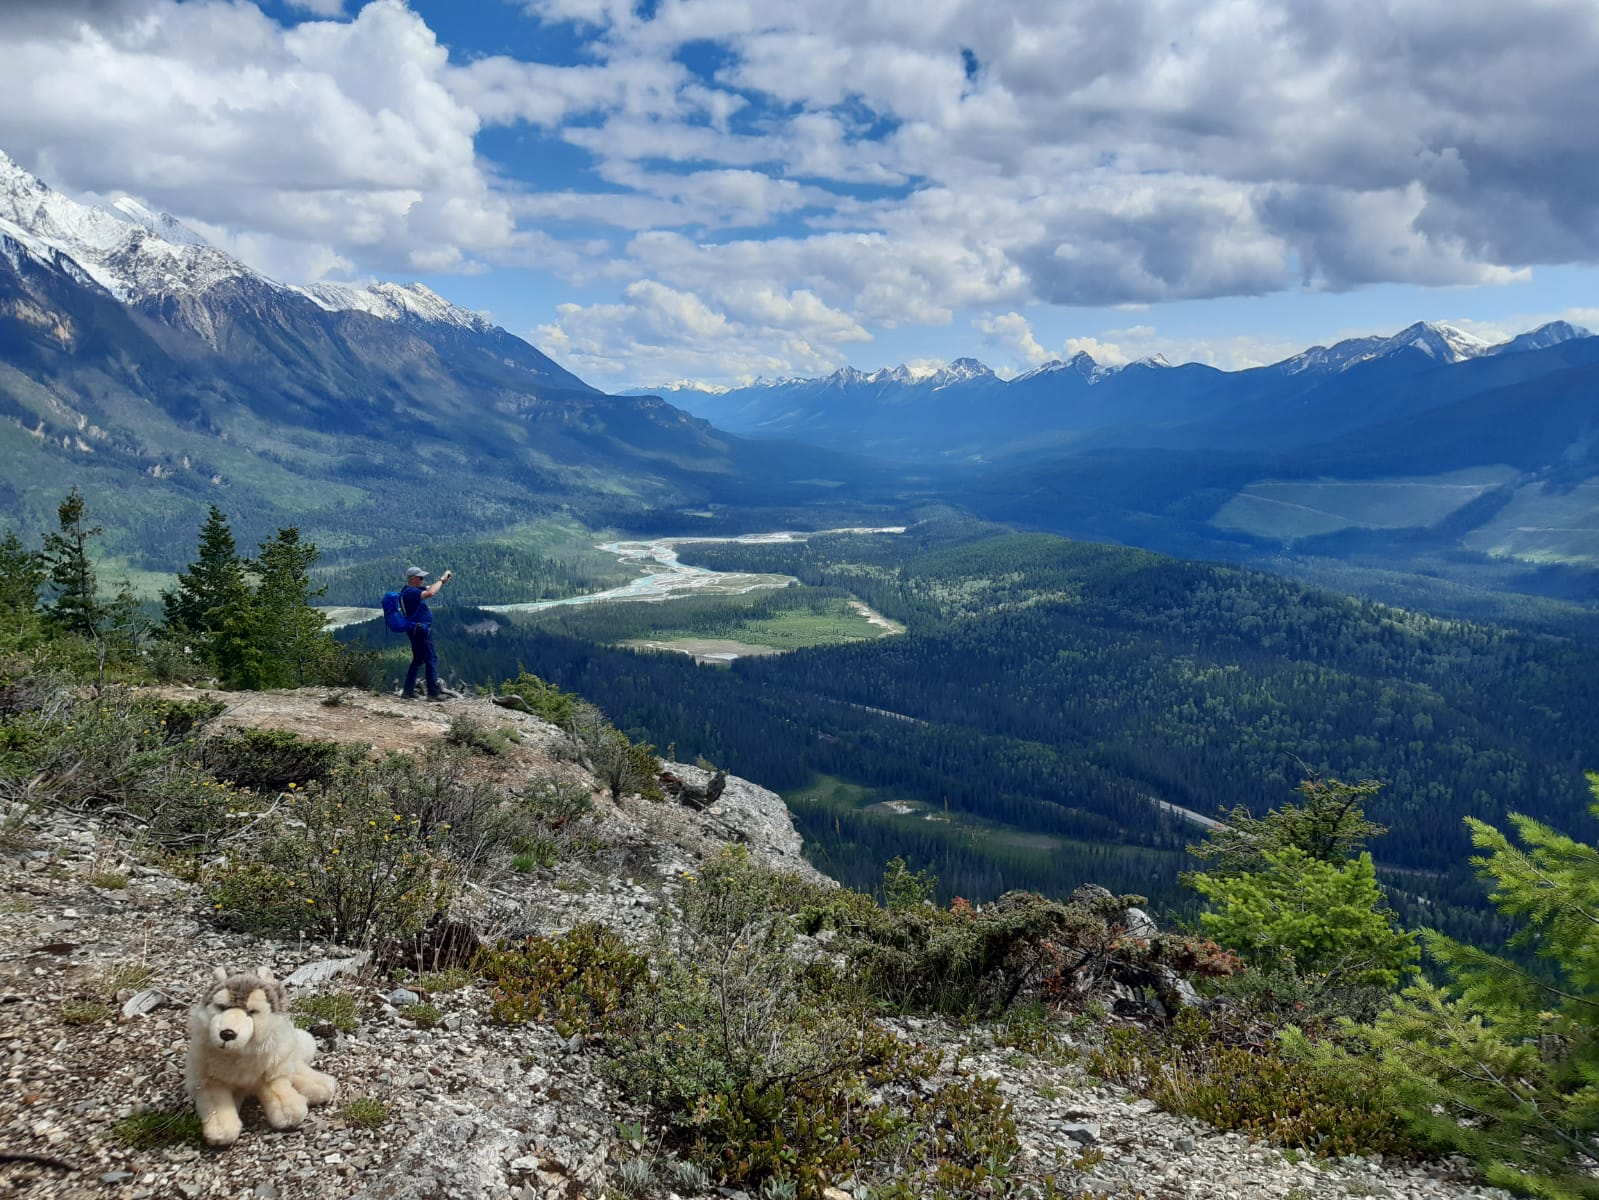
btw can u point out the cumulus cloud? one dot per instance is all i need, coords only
(340, 139)
(1012, 333)
(658, 332)
(900, 162)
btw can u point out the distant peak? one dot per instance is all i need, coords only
(962, 370)
(687, 385)
(1551, 333)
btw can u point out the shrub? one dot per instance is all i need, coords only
(472, 734)
(470, 818)
(1263, 1091)
(344, 861)
(121, 752)
(268, 760)
(963, 960)
(578, 980)
(542, 699)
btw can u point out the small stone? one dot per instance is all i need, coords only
(116, 1176)
(1083, 1133)
(400, 997)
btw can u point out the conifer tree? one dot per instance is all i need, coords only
(76, 607)
(1330, 919)
(273, 637)
(22, 575)
(213, 587)
(1294, 888)
(1329, 825)
(1502, 1062)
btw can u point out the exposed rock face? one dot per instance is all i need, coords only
(745, 814)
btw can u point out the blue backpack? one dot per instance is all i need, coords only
(394, 614)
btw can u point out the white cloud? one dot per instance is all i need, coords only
(658, 333)
(847, 167)
(1012, 333)
(331, 140)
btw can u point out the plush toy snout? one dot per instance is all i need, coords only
(232, 1029)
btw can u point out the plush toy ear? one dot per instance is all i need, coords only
(264, 973)
(219, 975)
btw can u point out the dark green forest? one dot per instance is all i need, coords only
(1059, 688)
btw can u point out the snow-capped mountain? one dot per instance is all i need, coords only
(141, 256)
(1541, 338)
(158, 370)
(1442, 343)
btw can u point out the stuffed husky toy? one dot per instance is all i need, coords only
(242, 1043)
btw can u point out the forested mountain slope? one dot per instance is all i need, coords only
(1061, 688)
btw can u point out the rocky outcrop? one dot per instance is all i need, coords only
(95, 977)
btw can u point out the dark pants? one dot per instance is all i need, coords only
(422, 655)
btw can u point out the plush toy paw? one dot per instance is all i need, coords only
(219, 1117)
(316, 1087)
(285, 1108)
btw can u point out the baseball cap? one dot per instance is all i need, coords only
(413, 572)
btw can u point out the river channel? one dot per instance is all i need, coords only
(668, 579)
(672, 578)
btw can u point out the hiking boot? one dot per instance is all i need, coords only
(405, 695)
(444, 695)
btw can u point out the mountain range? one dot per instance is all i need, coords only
(160, 373)
(966, 412)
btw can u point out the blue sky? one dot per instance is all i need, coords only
(718, 189)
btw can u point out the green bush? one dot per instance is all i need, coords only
(345, 860)
(964, 961)
(473, 734)
(127, 754)
(268, 760)
(1261, 1090)
(578, 980)
(542, 699)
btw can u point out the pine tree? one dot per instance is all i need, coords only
(1329, 919)
(1293, 890)
(273, 637)
(76, 607)
(22, 575)
(1500, 1062)
(213, 587)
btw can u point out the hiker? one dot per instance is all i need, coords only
(414, 597)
